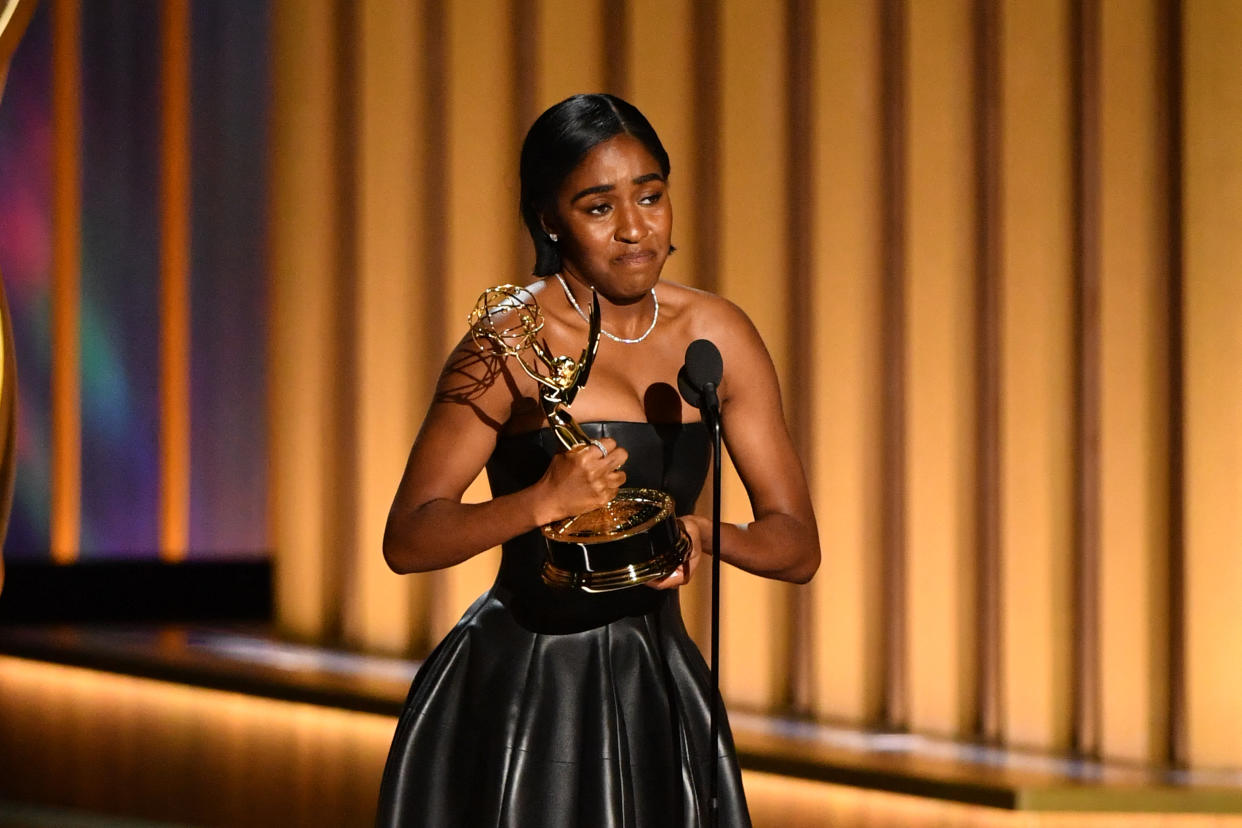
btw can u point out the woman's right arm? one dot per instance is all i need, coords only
(428, 525)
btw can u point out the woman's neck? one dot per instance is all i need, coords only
(632, 320)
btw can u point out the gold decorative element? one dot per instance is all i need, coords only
(609, 580)
(643, 509)
(14, 17)
(508, 318)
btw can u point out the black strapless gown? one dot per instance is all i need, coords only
(544, 708)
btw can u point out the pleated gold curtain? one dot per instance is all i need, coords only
(992, 247)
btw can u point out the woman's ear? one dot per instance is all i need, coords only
(549, 220)
(548, 225)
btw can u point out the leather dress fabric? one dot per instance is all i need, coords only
(553, 708)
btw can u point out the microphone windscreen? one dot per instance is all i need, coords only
(688, 392)
(703, 364)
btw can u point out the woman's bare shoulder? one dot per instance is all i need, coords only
(479, 382)
(707, 315)
(702, 308)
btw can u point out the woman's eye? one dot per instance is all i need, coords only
(599, 209)
(650, 199)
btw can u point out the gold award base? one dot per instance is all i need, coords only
(632, 540)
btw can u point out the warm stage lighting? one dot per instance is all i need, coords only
(157, 750)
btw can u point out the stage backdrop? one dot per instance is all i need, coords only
(992, 247)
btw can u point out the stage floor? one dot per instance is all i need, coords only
(251, 661)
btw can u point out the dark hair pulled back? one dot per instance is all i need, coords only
(557, 142)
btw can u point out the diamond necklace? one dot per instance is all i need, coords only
(654, 317)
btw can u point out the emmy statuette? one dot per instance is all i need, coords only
(633, 539)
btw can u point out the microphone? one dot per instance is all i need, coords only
(697, 380)
(700, 376)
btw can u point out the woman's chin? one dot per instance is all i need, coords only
(632, 283)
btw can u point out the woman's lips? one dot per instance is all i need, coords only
(636, 257)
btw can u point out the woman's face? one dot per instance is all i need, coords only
(614, 220)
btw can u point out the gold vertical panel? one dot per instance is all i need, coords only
(482, 204)
(174, 519)
(1212, 262)
(754, 265)
(660, 64)
(1171, 96)
(798, 696)
(988, 94)
(426, 321)
(1134, 438)
(1036, 417)
(339, 376)
(302, 234)
(941, 344)
(845, 338)
(752, 210)
(893, 361)
(615, 31)
(1085, 601)
(705, 106)
(482, 140)
(66, 405)
(570, 50)
(389, 236)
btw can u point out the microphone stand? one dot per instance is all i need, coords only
(697, 382)
(712, 410)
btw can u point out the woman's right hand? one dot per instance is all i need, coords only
(581, 479)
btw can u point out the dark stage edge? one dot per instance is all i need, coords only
(137, 591)
(251, 660)
(23, 815)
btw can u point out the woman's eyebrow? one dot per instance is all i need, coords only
(605, 188)
(598, 188)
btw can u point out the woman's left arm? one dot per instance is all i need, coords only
(783, 540)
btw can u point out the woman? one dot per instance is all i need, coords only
(553, 707)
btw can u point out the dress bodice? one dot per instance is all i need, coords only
(673, 457)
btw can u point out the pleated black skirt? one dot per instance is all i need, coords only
(552, 709)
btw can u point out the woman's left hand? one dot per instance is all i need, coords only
(693, 526)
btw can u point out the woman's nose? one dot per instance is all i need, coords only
(630, 225)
